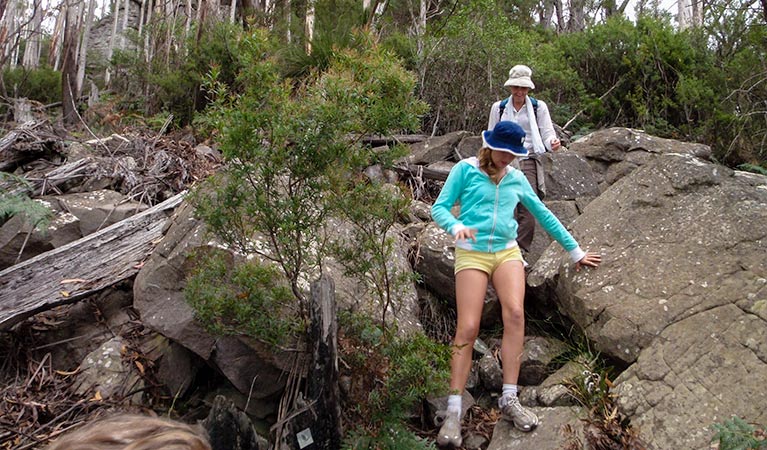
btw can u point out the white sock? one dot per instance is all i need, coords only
(509, 390)
(454, 403)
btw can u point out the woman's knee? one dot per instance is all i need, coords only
(466, 334)
(513, 314)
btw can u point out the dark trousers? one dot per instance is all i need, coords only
(524, 218)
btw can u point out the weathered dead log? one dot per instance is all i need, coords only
(377, 141)
(83, 267)
(80, 169)
(25, 143)
(422, 172)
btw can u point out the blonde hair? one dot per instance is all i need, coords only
(133, 432)
(487, 166)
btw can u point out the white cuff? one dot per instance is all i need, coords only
(577, 254)
(456, 228)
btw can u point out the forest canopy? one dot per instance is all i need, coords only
(695, 74)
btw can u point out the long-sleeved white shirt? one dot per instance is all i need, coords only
(543, 117)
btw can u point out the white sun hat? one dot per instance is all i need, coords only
(519, 75)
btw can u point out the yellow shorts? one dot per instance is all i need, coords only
(486, 262)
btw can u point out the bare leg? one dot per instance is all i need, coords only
(470, 290)
(509, 283)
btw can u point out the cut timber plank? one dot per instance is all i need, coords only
(83, 267)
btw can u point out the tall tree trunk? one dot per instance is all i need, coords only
(309, 26)
(232, 11)
(374, 10)
(683, 14)
(697, 13)
(7, 30)
(31, 58)
(82, 59)
(577, 16)
(3, 4)
(170, 15)
(126, 13)
(420, 29)
(560, 15)
(69, 69)
(289, 21)
(112, 39)
(547, 13)
(141, 13)
(188, 21)
(54, 53)
(148, 46)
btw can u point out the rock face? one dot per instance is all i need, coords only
(683, 277)
(616, 152)
(699, 371)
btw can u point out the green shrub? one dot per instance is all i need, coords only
(42, 85)
(753, 168)
(244, 298)
(294, 151)
(14, 202)
(404, 370)
(737, 434)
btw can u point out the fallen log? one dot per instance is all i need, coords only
(418, 171)
(83, 267)
(25, 143)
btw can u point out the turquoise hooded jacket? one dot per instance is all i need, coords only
(489, 208)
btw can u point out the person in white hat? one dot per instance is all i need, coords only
(533, 116)
(488, 188)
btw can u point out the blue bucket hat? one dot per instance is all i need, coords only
(506, 137)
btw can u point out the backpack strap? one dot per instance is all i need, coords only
(501, 107)
(505, 102)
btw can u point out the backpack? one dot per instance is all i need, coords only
(505, 101)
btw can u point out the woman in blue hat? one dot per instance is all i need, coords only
(488, 190)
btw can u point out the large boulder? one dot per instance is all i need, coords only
(683, 241)
(20, 240)
(73, 216)
(437, 148)
(701, 370)
(249, 365)
(98, 209)
(615, 152)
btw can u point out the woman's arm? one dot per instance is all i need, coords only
(450, 193)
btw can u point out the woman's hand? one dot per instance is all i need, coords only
(591, 259)
(466, 234)
(555, 144)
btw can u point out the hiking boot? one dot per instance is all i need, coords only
(450, 432)
(522, 418)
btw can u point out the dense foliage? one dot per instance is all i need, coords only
(244, 298)
(400, 372)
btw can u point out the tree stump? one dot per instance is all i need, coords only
(316, 424)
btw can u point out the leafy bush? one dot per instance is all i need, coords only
(244, 298)
(404, 371)
(294, 152)
(42, 85)
(753, 168)
(591, 389)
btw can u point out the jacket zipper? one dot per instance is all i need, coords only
(495, 218)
